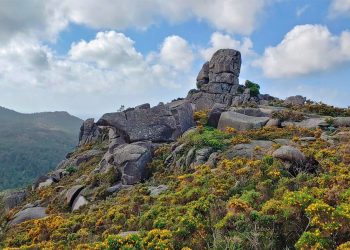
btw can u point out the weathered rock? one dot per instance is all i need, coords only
(202, 155)
(342, 122)
(218, 80)
(240, 121)
(72, 193)
(89, 132)
(225, 61)
(57, 174)
(131, 161)
(213, 160)
(308, 139)
(143, 106)
(79, 202)
(183, 114)
(43, 181)
(77, 160)
(256, 112)
(156, 124)
(28, 214)
(190, 156)
(253, 149)
(155, 191)
(127, 233)
(205, 101)
(289, 153)
(203, 75)
(297, 100)
(283, 141)
(273, 123)
(215, 113)
(115, 188)
(308, 123)
(12, 200)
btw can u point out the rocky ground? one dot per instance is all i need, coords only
(224, 168)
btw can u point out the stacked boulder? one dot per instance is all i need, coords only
(217, 82)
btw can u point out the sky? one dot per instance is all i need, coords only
(90, 57)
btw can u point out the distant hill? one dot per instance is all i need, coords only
(32, 144)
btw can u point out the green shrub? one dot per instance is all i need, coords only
(207, 137)
(71, 169)
(254, 88)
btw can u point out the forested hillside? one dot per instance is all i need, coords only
(32, 144)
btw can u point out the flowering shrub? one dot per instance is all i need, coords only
(241, 204)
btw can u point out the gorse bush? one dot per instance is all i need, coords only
(244, 203)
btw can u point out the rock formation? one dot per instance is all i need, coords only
(217, 82)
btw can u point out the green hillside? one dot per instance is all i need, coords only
(32, 144)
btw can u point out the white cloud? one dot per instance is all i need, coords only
(223, 41)
(94, 77)
(107, 50)
(339, 8)
(176, 52)
(234, 16)
(43, 20)
(303, 50)
(31, 19)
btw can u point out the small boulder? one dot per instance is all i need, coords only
(155, 191)
(43, 181)
(240, 121)
(13, 199)
(131, 161)
(28, 214)
(215, 113)
(273, 123)
(72, 193)
(342, 122)
(79, 202)
(253, 149)
(297, 100)
(202, 155)
(289, 153)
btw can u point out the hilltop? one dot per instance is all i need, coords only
(33, 144)
(224, 168)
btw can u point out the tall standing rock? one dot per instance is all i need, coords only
(89, 132)
(218, 80)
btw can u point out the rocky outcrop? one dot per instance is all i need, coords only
(78, 159)
(28, 214)
(89, 132)
(72, 194)
(12, 200)
(162, 123)
(297, 100)
(218, 80)
(239, 121)
(43, 181)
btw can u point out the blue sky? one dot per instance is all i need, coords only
(89, 57)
